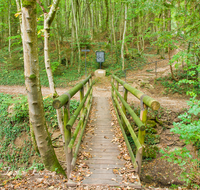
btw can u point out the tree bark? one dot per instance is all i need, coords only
(31, 72)
(9, 28)
(48, 19)
(169, 51)
(123, 39)
(77, 40)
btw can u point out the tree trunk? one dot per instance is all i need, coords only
(77, 40)
(48, 19)
(123, 39)
(9, 28)
(31, 72)
(18, 3)
(107, 14)
(169, 51)
(113, 27)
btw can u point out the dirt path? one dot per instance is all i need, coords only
(102, 89)
(135, 78)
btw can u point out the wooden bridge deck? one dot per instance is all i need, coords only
(104, 152)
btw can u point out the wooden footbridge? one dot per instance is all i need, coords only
(104, 153)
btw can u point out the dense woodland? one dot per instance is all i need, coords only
(41, 40)
(126, 28)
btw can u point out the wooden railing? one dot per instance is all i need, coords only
(145, 102)
(83, 109)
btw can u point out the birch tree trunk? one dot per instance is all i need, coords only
(18, 3)
(48, 19)
(123, 39)
(31, 72)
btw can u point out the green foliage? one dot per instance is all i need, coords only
(151, 138)
(13, 124)
(73, 105)
(37, 166)
(189, 127)
(16, 146)
(189, 130)
(54, 66)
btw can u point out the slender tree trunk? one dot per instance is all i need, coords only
(31, 72)
(9, 28)
(92, 21)
(123, 39)
(18, 3)
(107, 14)
(113, 27)
(169, 51)
(48, 19)
(77, 39)
(72, 44)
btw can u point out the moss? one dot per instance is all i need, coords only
(32, 77)
(27, 3)
(150, 151)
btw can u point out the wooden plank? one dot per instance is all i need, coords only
(104, 152)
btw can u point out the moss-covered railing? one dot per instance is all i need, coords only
(82, 111)
(145, 102)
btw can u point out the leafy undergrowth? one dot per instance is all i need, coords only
(16, 150)
(185, 83)
(180, 165)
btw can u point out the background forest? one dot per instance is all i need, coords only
(130, 32)
(125, 30)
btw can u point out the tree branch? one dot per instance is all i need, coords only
(42, 7)
(52, 11)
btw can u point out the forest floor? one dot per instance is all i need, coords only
(155, 172)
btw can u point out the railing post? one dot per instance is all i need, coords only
(117, 87)
(141, 134)
(67, 135)
(81, 98)
(125, 91)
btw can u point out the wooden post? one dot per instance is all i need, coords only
(117, 87)
(67, 135)
(125, 91)
(81, 98)
(141, 136)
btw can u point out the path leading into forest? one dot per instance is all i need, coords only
(135, 78)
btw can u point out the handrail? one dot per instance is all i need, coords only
(150, 102)
(64, 98)
(77, 111)
(137, 143)
(82, 110)
(140, 122)
(132, 113)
